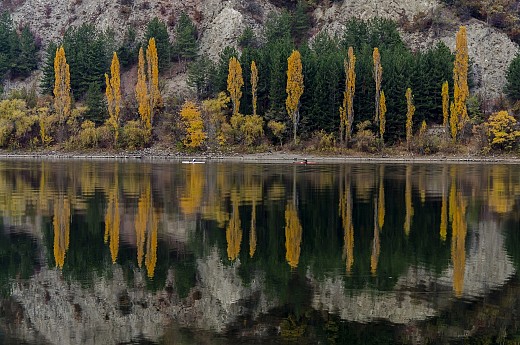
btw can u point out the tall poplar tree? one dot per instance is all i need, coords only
(235, 82)
(141, 91)
(378, 77)
(460, 78)
(445, 107)
(294, 89)
(409, 117)
(254, 85)
(382, 117)
(113, 93)
(153, 78)
(62, 99)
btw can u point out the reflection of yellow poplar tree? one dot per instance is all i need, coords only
(458, 207)
(146, 224)
(113, 219)
(252, 233)
(235, 81)
(376, 245)
(144, 206)
(61, 224)
(233, 230)
(408, 201)
(192, 198)
(293, 235)
(151, 245)
(345, 209)
(113, 93)
(294, 89)
(378, 78)
(254, 85)
(444, 207)
(381, 199)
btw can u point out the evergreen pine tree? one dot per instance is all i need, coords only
(185, 46)
(27, 58)
(47, 81)
(97, 108)
(129, 49)
(157, 29)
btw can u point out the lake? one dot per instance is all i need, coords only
(111, 252)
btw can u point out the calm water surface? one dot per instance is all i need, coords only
(227, 253)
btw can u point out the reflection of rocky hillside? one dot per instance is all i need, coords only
(421, 293)
(112, 311)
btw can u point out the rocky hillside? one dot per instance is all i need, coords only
(220, 23)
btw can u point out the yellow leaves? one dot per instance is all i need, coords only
(147, 87)
(346, 111)
(61, 225)
(408, 201)
(141, 91)
(293, 235)
(192, 198)
(113, 94)
(409, 117)
(233, 230)
(113, 219)
(15, 121)
(294, 88)
(345, 210)
(254, 85)
(458, 206)
(235, 83)
(278, 128)
(454, 122)
(378, 78)
(191, 116)
(252, 233)
(62, 99)
(502, 131)
(382, 115)
(460, 80)
(146, 227)
(445, 104)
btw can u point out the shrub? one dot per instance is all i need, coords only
(134, 136)
(365, 140)
(502, 131)
(16, 123)
(278, 129)
(252, 129)
(87, 137)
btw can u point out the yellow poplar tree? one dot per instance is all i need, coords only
(154, 95)
(445, 107)
(141, 91)
(147, 88)
(113, 93)
(382, 116)
(346, 111)
(191, 116)
(460, 78)
(62, 99)
(235, 81)
(409, 117)
(454, 122)
(294, 89)
(254, 85)
(378, 78)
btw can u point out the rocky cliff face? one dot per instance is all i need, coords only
(220, 23)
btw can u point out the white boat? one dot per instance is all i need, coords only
(193, 161)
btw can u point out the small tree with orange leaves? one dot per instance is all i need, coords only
(382, 117)
(192, 118)
(294, 89)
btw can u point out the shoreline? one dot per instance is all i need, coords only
(154, 155)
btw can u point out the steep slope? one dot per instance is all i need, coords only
(220, 23)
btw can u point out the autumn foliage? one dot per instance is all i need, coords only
(235, 82)
(294, 89)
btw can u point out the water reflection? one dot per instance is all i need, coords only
(233, 246)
